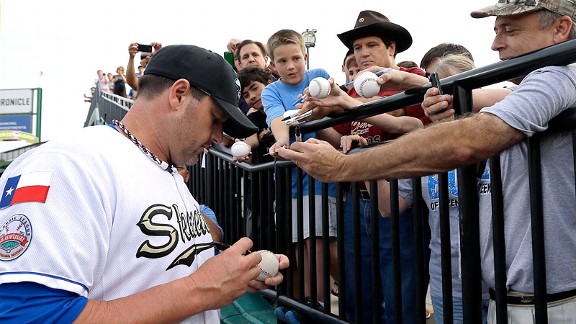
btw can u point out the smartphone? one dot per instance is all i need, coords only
(435, 81)
(145, 48)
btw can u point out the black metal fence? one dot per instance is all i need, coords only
(230, 187)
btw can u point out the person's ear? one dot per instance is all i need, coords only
(562, 29)
(392, 49)
(179, 91)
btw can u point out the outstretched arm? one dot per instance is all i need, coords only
(448, 145)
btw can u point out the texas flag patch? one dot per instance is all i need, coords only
(27, 187)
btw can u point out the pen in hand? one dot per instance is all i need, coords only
(299, 100)
(223, 246)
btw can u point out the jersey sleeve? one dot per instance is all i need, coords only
(27, 302)
(68, 232)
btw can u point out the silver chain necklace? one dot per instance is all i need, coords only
(163, 164)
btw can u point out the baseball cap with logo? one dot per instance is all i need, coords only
(514, 7)
(209, 73)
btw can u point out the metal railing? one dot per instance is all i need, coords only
(219, 193)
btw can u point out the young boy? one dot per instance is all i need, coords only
(288, 57)
(252, 81)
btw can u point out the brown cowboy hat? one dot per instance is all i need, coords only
(372, 23)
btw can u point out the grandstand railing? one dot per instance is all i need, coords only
(256, 199)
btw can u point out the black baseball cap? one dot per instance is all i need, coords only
(208, 72)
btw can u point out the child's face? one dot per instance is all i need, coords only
(351, 68)
(290, 61)
(252, 93)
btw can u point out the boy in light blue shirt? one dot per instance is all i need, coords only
(288, 56)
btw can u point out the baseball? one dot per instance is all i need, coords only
(268, 266)
(319, 88)
(240, 149)
(366, 85)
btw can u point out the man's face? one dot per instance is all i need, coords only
(251, 56)
(519, 34)
(371, 51)
(199, 126)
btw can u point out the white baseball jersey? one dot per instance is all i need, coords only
(94, 215)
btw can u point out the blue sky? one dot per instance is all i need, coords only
(58, 45)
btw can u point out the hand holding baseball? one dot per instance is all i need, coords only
(240, 150)
(270, 263)
(319, 88)
(268, 266)
(366, 84)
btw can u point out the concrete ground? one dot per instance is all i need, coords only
(334, 306)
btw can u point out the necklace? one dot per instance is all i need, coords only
(163, 164)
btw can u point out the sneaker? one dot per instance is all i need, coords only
(429, 313)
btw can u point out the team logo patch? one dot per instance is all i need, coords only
(15, 237)
(27, 187)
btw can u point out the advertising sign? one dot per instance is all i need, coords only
(16, 101)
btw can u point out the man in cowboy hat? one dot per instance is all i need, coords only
(375, 41)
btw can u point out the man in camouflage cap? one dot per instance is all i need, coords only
(505, 127)
(514, 7)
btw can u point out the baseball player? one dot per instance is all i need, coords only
(101, 227)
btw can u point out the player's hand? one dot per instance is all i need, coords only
(283, 263)
(437, 107)
(225, 277)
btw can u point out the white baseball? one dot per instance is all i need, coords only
(319, 88)
(366, 85)
(240, 149)
(268, 266)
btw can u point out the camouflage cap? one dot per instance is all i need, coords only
(514, 7)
